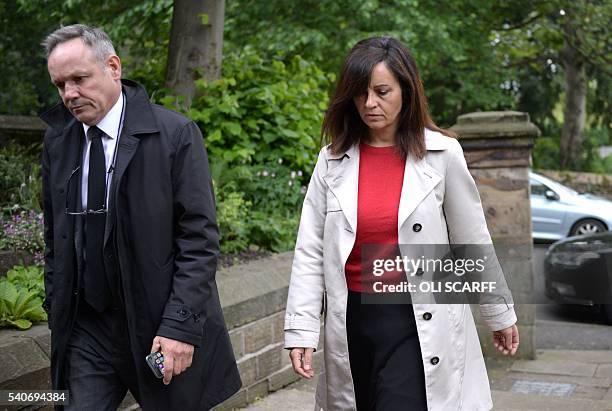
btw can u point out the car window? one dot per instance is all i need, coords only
(537, 188)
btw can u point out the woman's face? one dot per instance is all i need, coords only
(380, 107)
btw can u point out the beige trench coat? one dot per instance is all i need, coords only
(439, 194)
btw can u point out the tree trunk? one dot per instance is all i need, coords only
(574, 113)
(196, 43)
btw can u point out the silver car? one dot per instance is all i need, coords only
(558, 211)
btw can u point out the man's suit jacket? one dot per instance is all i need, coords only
(162, 239)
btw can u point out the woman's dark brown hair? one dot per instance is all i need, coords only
(342, 125)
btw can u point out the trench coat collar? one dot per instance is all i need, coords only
(138, 121)
(419, 180)
(139, 118)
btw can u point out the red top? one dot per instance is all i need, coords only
(381, 175)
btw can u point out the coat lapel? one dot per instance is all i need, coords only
(125, 152)
(139, 122)
(343, 182)
(419, 180)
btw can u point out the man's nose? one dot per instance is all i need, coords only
(71, 91)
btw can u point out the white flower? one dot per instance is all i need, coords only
(300, 173)
(280, 161)
(264, 173)
(303, 190)
(273, 175)
(290, 183)
(293, 175)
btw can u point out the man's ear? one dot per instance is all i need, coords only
(114, 65)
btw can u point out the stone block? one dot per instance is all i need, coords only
(236, 401)
(24, 362)
(257, 391)
(278, 326)
(237, 340)
(269, 360)
(282, 378)
(247, 366)
(258, 335)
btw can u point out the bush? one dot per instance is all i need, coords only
(24, 231)
(261, 123)
(20, 181)
(21, 295)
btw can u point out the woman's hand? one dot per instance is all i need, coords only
(507, 340)
(301, 359)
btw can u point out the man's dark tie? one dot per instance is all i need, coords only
(95, 285)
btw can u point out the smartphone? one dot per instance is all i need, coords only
(155, 360)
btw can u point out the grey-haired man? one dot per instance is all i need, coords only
(131, 240)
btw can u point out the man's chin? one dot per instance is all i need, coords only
(83, 117)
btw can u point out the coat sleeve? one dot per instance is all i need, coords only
(196, 240)
(467, 225)
(48, 229)
(306, 287)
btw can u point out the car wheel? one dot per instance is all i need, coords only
(587, 226)
(606, 310)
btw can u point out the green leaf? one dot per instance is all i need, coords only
(21, 323)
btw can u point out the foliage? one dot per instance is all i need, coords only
(546, 153)
(140, 30)
(20, 182)
(21, 296)
(461, 71)
(532, 39)
(262, 123)
(23, 231)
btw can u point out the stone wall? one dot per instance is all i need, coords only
(21, 129)
(600, 184)
(253, 297)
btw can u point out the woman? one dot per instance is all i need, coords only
(389, 176)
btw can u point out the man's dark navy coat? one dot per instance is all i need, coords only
(161, 239)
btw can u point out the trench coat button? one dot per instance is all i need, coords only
(417, 227)
(419, 272)
(182, 312)
(427, 316)
(434, 361)
(75, 292)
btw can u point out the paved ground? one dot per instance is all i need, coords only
(558, 380)
(573, 370)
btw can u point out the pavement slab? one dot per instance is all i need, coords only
(573, 368)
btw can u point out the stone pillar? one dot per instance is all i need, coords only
(497, 147)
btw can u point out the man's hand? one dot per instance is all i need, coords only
(507, 340)
(177, 356)
(301, 359)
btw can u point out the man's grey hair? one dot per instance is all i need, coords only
(93, 37)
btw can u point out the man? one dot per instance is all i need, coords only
(131, 240)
